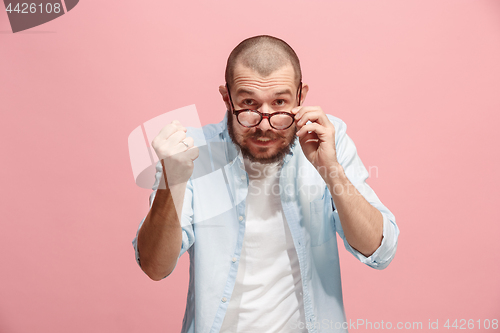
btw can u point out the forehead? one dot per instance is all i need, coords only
(248, 80)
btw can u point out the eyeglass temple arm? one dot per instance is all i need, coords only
(230, 99)
(300, 92)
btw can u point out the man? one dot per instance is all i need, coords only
(260, 227)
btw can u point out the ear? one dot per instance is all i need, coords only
(225, 96)
(305, 89)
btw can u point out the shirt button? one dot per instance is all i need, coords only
(240, 218)
(224, 300)
(234, 259)
(243, 177)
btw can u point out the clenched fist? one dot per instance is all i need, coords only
(176, 152)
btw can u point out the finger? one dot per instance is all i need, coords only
(176, 138)
(296, 109)
(190, 154)
(171, 145)
(313, 115)
(308, 138)
(301, 110)
(182, 128)
(189, 141)
(193, 153)
(166, 132)
(320, 130)
(182, 152)
(179, 125)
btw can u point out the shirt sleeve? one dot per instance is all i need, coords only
(186, 216)
(357, 175)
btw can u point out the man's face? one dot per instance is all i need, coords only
(250, 90)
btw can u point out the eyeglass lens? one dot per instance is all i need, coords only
(252, 118)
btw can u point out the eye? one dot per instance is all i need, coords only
(280, 102)
(248, 102)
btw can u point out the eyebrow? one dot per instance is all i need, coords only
(251, 92)
(284, 92)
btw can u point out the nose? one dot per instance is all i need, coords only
(265, 124)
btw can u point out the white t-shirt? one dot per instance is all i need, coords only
(267, 295)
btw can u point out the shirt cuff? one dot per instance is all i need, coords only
(384, 254)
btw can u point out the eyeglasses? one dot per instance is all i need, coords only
(279, 120)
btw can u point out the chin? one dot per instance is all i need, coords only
(266, 157)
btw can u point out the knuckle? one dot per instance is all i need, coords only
(167, 128)
(156, 141)
(162, 153)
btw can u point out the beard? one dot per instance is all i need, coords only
(289, 136)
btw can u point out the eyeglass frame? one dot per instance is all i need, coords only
(262, 114)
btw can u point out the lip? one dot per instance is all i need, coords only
(263, 143)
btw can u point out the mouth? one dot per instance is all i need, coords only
(262, 141)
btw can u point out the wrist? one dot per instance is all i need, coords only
(333, 171)
(335, 175)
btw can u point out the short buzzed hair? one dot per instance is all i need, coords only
(263, 54)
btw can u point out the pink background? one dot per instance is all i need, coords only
(417, 82)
